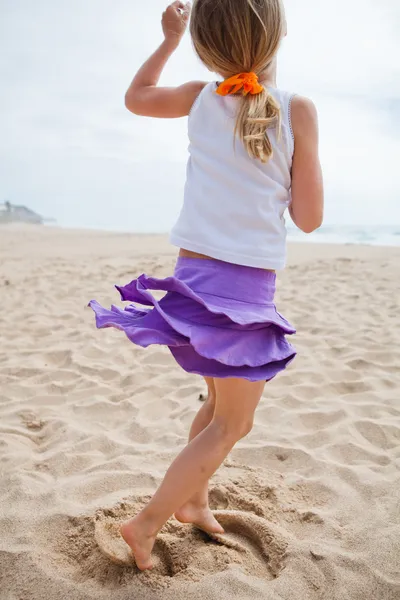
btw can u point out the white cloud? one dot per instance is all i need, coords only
(68, 146)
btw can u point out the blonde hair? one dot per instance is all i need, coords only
(236, 36)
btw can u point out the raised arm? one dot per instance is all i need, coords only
(143, 96)
(307, 208)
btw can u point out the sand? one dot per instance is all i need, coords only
(88, 425)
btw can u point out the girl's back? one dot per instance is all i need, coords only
(234, 205)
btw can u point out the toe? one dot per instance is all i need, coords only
(145, 565)
(216, 528)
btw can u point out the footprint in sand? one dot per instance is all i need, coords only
(170, 556)
(249, 538)
(108, 538)
(253, 535)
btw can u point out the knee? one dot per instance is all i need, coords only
(234, 430)
(245, 428)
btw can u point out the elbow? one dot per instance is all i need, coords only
(307, 221)
(131, 103)
(311, 227)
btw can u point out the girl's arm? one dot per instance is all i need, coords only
(143, 96)
(307, 208)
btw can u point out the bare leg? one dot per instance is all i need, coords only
(236, 401)
(197, 510)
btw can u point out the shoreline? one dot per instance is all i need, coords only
(320, 237)
(41, 238)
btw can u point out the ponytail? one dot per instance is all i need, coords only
(257, 114)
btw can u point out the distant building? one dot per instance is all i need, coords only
(12, 213)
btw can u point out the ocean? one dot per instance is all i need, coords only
(386, 235)
(378, 235)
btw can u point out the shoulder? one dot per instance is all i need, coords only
(192, 89)
(191, 92)
(304, 115)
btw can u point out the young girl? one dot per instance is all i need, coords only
(253, 154)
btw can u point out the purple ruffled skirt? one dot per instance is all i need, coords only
(217, 319)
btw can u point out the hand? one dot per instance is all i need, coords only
(175, 20)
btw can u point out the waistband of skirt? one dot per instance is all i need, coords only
(227, 280)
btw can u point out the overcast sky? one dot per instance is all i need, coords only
(70, 149)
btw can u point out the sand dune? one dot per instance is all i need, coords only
(310, 501)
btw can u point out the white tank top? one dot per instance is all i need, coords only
(234, 205)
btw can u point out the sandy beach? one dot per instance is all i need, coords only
(88, 425)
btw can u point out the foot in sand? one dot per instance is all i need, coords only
(200, 516)
(140, 542)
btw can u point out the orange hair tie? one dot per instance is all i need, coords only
(248, 82)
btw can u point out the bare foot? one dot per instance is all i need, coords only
(140, 542)
(201, 517)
